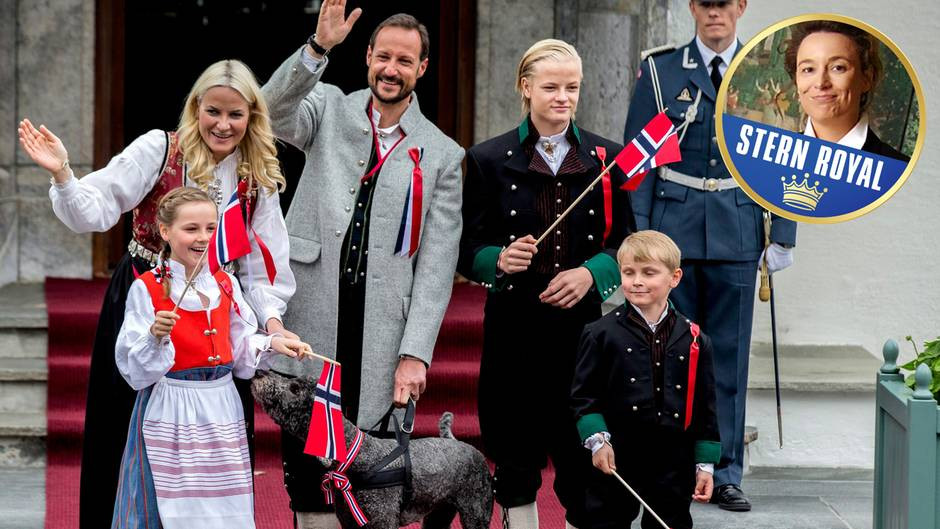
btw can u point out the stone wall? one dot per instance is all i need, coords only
(46, 74)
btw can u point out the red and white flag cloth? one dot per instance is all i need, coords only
(325, 437)
(657, 144)
(409, 234)
(230, 240)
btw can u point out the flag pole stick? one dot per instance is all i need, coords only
(637, 496)
(192, 276)
(576, 201)
(306, 352)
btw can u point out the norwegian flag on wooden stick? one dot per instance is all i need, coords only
(655, 145)
(325, 437)
(230, 240)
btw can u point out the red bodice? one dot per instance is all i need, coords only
(199, 341)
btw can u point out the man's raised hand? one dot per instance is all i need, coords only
(333, 26)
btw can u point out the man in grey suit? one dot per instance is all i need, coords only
(374, 226)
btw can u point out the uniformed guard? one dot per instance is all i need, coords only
(715, 224)
(517, 184)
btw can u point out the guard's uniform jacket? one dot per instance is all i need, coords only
(529, 346)
(635, 384)
(718, 228)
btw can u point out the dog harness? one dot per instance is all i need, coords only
(377, 476)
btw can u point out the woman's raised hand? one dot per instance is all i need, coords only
(332, 25)
(45, 148)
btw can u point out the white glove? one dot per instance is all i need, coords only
(778, 257)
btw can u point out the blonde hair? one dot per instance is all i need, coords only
(554, 49)
(649, 246)
(258, 154)
(167, 211)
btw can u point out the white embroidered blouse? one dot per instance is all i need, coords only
(96, 202)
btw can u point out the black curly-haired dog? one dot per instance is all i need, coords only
(448, 477)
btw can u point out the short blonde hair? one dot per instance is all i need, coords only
(554, 49)
(259, 162)
(649, 245)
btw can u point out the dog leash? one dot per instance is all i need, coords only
(337, 479)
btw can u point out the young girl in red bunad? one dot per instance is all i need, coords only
(186, 461)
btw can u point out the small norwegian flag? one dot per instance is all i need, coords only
(655, 145)
(325, 437)
(231, 237)
(409, 233)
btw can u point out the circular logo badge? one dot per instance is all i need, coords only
(820, 118)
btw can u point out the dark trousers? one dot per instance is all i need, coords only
(719, 295)
(528, 362)
(658, 465)
(303, 473)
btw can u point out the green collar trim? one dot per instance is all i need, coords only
(524, 130)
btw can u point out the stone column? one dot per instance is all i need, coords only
(52, 83)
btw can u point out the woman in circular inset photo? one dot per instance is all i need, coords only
(836, 68)
(830, 79)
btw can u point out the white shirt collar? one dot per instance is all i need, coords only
(387, 137)
(708, 54)
(230, 162)
(558, 153)
(652, 325)
(854, 138)
(376, 117)
(201, 284)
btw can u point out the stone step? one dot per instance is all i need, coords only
(23, 342)
(22, 439)
(23, 385)
(23, 306)
(814, 368)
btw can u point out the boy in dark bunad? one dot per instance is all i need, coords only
(644, 388)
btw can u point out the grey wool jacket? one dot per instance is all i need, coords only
(405, 296)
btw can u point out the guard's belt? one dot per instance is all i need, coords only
(700, 184)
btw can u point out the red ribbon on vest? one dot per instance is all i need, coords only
(417, 182)
(337, 479)
(608, 194)
(693, 368)
(269, 266)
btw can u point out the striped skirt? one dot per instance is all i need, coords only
(186, 461)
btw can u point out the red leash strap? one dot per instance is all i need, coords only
(693, 368)
(608, 194)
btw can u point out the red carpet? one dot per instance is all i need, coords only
(73, 307)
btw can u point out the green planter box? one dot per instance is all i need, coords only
(907, 439)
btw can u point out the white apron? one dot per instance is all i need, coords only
(194, 432)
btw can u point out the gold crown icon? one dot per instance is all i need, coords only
(800, 195)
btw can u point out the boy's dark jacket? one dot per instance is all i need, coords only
(613, 388)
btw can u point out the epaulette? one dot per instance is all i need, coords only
(657, 50)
